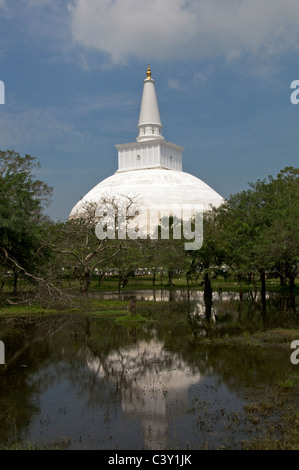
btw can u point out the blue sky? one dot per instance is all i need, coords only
(73, 72)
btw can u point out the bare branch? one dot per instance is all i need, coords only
(51, 290)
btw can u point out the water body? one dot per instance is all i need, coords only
(107, 386)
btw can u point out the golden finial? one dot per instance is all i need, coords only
(148, 72)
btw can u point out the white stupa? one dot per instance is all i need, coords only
(150, 169)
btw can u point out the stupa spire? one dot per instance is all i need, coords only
(149, 124)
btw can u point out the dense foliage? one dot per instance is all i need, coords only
(259, 228)
(22, 223)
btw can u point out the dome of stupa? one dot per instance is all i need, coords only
(153, 186)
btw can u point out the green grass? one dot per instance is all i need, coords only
(179, 282)
(278, 414)
(82, 305)
(105, 307)
(104, 304)
(275, 337)
(286, 384)
(129, 320)
(107, 312)
(25, 310)
(110, 283)
(60, 444)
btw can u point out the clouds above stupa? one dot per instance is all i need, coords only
(194, 29)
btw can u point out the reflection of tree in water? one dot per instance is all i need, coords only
(211, 316)
(236, 366)
(41, 353)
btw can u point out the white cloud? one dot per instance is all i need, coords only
(194, 29)
(174, 84)
(37, 3)
(204, 74)
(132, 27)
(3, 5)
(60, 127)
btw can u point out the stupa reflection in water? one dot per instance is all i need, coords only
(153, 384)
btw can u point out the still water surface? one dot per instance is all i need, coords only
(107, 386)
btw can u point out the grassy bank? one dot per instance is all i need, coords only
(275, 410)
(278, 337)
(110, 283)
(139, 282)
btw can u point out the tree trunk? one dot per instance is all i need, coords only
(170, 274)
(282, 280)
(188, 281)
(292, 283)
(87, 329)
(15, 283)
(86, 281)
(263, 293)
(208, 294)
(132, 306)
(241, 292)
(154, 277)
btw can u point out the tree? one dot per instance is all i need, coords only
(22, 200)
(259, 227)
(278, 242)
(127, 261)
(208, 258)
(81, 250)
(164, 255)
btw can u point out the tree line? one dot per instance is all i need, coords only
(253, 232)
